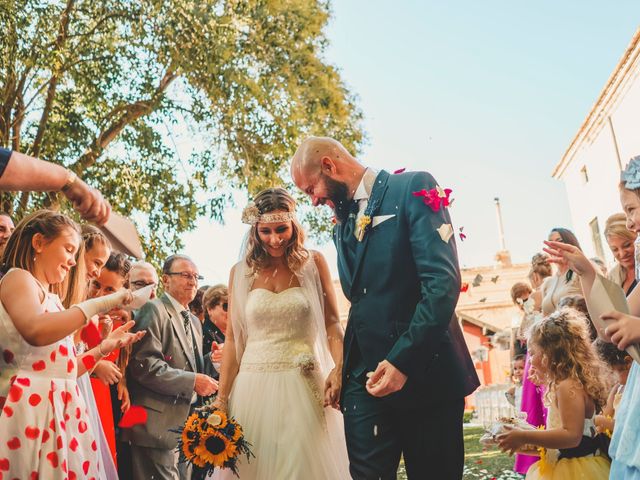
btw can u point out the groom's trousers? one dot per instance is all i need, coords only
(429, 438)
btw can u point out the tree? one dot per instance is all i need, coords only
(168, 105)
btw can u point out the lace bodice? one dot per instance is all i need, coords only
(280, 330)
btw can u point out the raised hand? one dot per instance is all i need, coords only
(511, 440)
(332, 387)
(88, 202)
(121, 337)
(624, 329)
(569, 256)
(385, 380)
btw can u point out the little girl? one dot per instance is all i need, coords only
(514, 394)
(562, 356)
(619, 362)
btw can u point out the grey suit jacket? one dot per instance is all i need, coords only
(161, 374)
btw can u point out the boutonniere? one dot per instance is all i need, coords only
(361, 227)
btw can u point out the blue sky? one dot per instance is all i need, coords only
(484, 95)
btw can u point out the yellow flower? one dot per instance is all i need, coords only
(363, 223)
(215, 449)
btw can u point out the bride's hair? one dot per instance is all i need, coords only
(269, 201)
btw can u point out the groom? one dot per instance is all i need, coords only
(406, 365)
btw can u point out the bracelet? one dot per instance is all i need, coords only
(100, 350)
(71, 179)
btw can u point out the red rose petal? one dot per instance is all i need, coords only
(464, 287)
(8, 356)
(463, 237)
(15, 393)
(31, 432)
(88, 361)
(91, 335)
(85, 466)
(73, 444)
(400, 170)
(82, 426)
(64, 351)
(34, 399)
(4, 464)
(14, 443)
(136, 415)
(39, 365)
(53, 459)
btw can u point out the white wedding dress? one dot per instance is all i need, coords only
(279, 405)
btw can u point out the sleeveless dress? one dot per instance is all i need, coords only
(279, 403)
(45, 433)
(582, 462)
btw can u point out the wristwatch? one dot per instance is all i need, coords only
(71, 179)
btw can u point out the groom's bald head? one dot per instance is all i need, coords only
(325, 170)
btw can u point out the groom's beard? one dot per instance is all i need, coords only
(338, 193)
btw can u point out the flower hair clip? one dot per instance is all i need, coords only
(250, 214)
(631, 174)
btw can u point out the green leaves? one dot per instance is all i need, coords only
(167, 106)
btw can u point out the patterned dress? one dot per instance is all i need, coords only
(45, 432)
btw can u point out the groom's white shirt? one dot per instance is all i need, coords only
(362, 194)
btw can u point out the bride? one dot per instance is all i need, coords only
(282, 360)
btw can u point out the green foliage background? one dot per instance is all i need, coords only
(168, 106)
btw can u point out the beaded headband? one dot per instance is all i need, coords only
(251, 215)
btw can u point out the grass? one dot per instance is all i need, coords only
(480, 464)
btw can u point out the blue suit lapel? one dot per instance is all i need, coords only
(375, 199)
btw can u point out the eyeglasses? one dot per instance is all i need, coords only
(141, 284)
(187, 276)
(224, 306)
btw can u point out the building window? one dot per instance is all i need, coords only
(584, 175)
(596, 238)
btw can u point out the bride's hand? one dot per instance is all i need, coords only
(332, 388)
(220, 404)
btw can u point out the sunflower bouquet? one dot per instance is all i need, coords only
(210, 439)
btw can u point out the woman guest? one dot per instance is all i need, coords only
(565, 282)
(216, 302)
(621, 242)
(106, 374)
(44, 428)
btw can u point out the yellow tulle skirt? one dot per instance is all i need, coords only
(581, 468)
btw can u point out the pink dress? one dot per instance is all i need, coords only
(45, 432)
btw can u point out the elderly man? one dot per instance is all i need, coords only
(22, 172)
(165, 372)
(6, 229)
(143, 274)
(406, 365)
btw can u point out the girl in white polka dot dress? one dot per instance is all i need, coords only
(43, 417)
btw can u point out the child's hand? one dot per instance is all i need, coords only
(625, 329)
(511, 440)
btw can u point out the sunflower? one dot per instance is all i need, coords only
(215, 449)
(237, 432)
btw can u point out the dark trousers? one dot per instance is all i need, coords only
(429, 438)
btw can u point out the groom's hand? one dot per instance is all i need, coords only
(385, 380)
